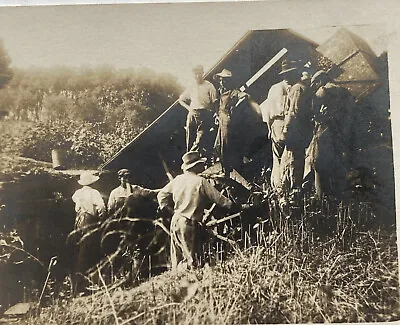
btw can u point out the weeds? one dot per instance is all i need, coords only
(325, 264)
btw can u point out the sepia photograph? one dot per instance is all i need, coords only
(198, 163)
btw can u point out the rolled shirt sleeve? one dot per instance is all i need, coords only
(185, 96)
(215, 196)
(98, 202)
(163, 197)
(112, 201)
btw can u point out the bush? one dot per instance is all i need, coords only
(88, 144)
(40, 139)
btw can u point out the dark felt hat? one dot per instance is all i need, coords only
(288, 66)
(191, 159)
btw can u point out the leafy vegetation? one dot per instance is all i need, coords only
(90, 113)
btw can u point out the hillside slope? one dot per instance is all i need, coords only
(281, 280)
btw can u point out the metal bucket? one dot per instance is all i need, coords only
(58, 159)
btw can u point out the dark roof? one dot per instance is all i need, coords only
(166, 135)
(344, 43)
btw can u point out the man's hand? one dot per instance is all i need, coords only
(216, 120)
(245, 206)
(165, 212)
(183, 104)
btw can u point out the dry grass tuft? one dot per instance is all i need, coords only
(316, 267)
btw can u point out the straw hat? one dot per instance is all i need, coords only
(224, 74)
(191, 159)
(87, 178)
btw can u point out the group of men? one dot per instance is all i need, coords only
(190, 193)
(307, 119)
(91, 211)
(309, 123)
(215, 123)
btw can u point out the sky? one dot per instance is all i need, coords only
(168, 38)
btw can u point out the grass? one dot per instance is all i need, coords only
(317, 267)
(327, 263)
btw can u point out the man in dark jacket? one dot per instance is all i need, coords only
(329, 148)
(240, 125)
(297, 131)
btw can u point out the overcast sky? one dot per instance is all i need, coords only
(165, 37)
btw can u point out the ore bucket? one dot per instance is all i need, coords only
(58, 159)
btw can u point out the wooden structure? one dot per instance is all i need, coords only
(165, 137)
(356, 66)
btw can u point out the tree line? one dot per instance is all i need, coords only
(91, 112)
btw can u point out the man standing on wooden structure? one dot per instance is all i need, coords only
(274, 115)
(297, 133)
(225, 144)
(329, 149)
(202, 96)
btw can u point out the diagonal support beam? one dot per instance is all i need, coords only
(266, 67)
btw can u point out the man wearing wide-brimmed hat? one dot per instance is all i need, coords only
(273, 110)
(201, 96)
(90, 210)
(327, 155)
(89, 204)
(228, 150)
(191, 194)
(297, 134)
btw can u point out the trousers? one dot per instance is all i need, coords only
(199, 136)
(186, 249)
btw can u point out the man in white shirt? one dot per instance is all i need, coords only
(202, 96)
(191, 194)
(90, 209)
(89, 205)
(273, 110)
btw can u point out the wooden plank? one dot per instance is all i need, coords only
(266, 67)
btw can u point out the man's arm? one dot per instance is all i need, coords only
(111, 202)
(215, 196)
(183, 98)
(99, 203)
(145, 191)
(164, 195)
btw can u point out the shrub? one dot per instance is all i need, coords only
(40, 139)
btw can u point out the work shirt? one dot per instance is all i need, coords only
(119, 194)
(298, 126)
(201, 96)
(88, 200)
(273, 109)
(191, 194)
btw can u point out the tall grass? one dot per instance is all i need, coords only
(327, 262)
